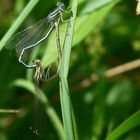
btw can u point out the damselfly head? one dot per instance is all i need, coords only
(37, 62)
(61, 5)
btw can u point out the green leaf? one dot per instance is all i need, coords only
(91, 5)
(127, 125)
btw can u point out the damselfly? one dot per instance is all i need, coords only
(24, 41)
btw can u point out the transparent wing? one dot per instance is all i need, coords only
(28, 37)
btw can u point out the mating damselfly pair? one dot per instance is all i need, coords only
(25, 41)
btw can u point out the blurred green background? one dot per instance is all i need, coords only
(107, 35)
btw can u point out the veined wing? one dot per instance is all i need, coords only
(28, 37)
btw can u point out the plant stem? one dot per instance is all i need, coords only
(64, 89)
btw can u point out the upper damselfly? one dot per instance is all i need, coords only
(24, 41)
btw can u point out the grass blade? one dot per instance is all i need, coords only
(64, 89)
(31, 4)
(130, 123)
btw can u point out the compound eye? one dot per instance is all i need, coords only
(61, 5)
(58, 4)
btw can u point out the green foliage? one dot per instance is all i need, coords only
(91, 104)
